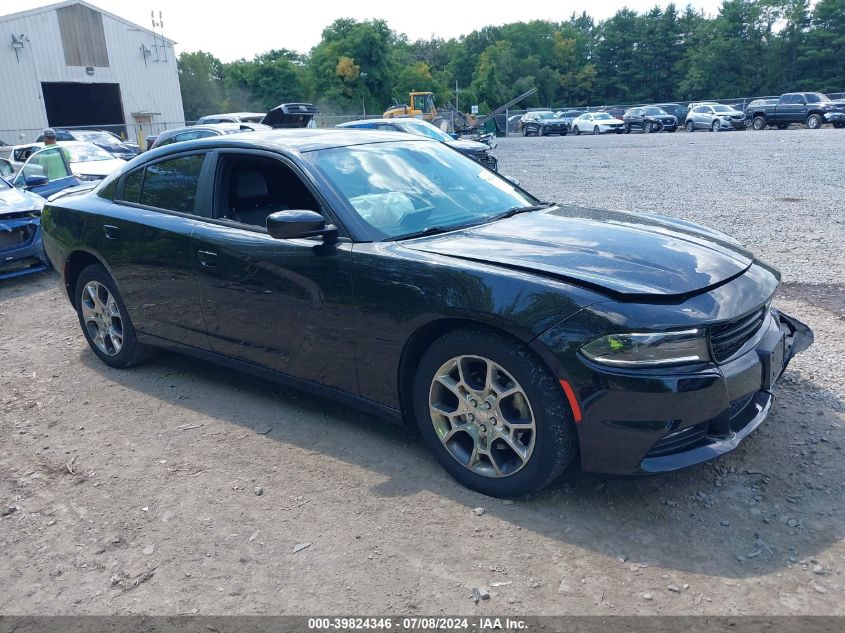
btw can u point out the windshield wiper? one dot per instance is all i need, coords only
(517, 210)
(431, 230)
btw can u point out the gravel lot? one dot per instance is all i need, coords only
(179, 487)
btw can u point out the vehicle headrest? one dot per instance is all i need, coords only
(251, 185)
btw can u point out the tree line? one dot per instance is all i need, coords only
(750, 48)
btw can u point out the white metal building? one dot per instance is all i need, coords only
(72, 64)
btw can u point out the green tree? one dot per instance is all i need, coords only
(201, 83)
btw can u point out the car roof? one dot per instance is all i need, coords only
(293, 139)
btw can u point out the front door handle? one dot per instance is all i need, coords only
(110, 231)
(208, 259)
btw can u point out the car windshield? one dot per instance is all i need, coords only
(601, 116)
(102, 139)
(656, 111)
(547, 115)
(428, 131)
(721, 108)
(86, 153)
(404, 188)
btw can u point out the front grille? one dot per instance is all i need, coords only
(16, 237)
(727, 338)
(679, 441)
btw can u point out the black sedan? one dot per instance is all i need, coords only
(401, 277)
(542, 123)
(649, 119)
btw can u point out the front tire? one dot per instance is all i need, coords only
(493, 414)
(690, 126)
(105, 321)
(714, 127)
(596, 130)
(577, 131)
(759, 123)
(627, 128)
(647, 127)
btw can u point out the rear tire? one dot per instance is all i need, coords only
(759, 123)
(105, 321)
(815, 121)
(466, 438)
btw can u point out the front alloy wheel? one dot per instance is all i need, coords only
(492, 413)
(482, 416)
(690, 126)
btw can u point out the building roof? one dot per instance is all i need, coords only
(67, 3)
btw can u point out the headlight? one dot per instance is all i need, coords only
(649, 349)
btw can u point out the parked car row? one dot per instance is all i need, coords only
(812, 109)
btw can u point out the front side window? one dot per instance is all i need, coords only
(400, 188)
(172, 184)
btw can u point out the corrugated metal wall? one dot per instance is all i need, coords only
(146, 85)
(83, 38)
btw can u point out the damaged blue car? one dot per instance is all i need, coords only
(21, 250)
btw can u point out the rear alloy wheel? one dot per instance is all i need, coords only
(815, 121)
(714, 127)
(759, 123)
(690, 126)
(493, 414)
(104, 320)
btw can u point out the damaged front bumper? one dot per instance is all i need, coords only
(21, 249)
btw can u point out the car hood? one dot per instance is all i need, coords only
(623, 254)
(468, 147)
(97, 167)
(14, 201)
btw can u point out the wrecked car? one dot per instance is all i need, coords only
(396, 275)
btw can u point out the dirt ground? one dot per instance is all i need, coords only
(180, 487)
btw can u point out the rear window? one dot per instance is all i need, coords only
(172, 184)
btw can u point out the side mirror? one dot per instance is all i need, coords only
(36, 181)
(287, 225)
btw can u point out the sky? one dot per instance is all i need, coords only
(231, 31)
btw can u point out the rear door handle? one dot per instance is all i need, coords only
(110, 231)
(207, 258)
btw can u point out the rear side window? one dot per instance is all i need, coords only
(172, 184)
(132, 186)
